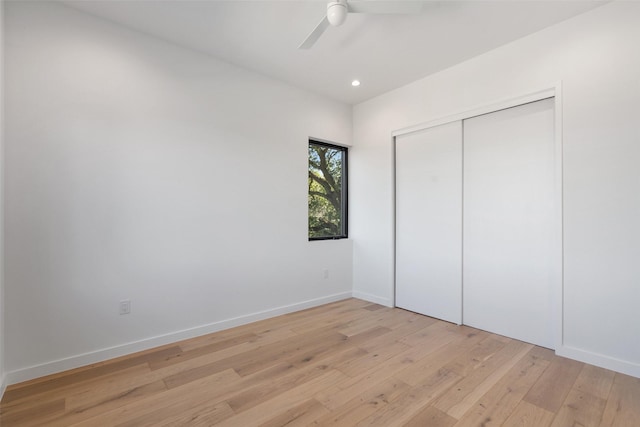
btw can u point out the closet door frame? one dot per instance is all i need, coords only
(554, 92)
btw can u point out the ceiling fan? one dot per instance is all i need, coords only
(337, 13)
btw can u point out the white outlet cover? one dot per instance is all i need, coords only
(125, 307)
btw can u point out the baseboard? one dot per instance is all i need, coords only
(77, 361)
(3, 385)
(373, 298)
(600, 360)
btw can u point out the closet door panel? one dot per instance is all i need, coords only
(428, 222)
(508, 222)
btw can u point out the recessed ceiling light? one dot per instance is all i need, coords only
(355, 83)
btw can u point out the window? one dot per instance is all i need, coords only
(327, 191)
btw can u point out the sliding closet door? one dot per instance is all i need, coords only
(428, 222)
(508, 268)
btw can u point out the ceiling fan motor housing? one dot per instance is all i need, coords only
(337, 13)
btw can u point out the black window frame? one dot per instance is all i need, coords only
(344, 196)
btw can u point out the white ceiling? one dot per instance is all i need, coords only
(383, 51)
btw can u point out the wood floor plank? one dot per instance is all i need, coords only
(351, 387)
(355, 367)
(169, 403)
(373, 307)
(301, 415)
(457, 401)
(283, 402)
(332, 317)
(34, 413)
(368, 402)
(389, 367)
(80, 413)
(203, 415)
(527, 415)
(385, 317)
(134, 374)
(623, 407)
(267, 332)
(554, 384)
(316, 353)
(432, 417)
(543, 353)
(432, 357)
(264, 391)
(401, 328)
(364, 324)
(469, 361)
(222, 336)
(330, 320)
(595, 381)
(580, 409)
(87, 399)
(340, 393)
(77, 376)
(255, 361)
(252, 360)
(497, 404)
(210, 389)
(203, 350)
(312, 356)
(269, 383)
(439, 333)
(227, 384)
(272, 337)
(105, 391)
(413, 401)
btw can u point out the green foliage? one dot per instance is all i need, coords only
(325, 191)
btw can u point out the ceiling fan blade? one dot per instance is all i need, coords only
(385, 6)
(315, 34)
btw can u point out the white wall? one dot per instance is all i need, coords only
(138, 169)
(595, 55)
(2, 378)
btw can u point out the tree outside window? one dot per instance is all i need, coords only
(327, 191)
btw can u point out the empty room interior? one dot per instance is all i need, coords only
(356, 213)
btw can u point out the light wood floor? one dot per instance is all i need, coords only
(348, 363)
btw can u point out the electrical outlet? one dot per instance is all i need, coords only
(125, 306)
(325, 273)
